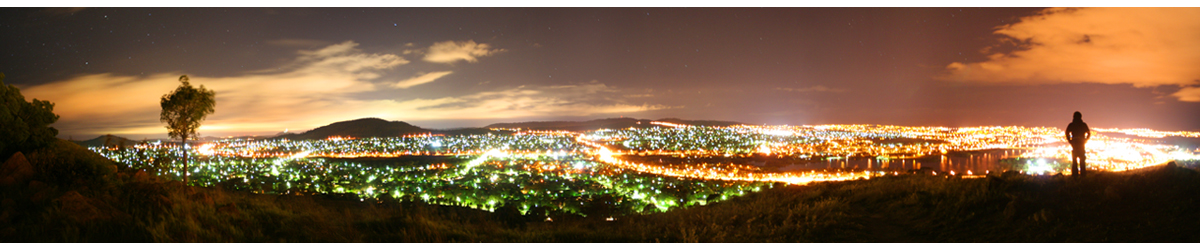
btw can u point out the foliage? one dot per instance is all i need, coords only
(185, 107)
(24, 125)
(65, 163)
(183, 110)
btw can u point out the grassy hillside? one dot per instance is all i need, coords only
(65, 193)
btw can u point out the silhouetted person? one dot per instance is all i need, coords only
(1078, 134)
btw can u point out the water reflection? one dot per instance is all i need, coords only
(981, 162)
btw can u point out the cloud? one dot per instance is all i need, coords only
(344, 57)
(817, 88)
(318, 87)
(314, 81)
(1140, 46)
(451, 51)
(583, 99)
(421, 79)
(1189, 94)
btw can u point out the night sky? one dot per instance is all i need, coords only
(299, 68)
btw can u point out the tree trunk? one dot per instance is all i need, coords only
(185, 160)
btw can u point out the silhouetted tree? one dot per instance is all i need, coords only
(183, 110)
(23, 125)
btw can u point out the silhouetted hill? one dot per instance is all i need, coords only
(469, 131)
(375, 127)
(700, 122)
(1184, 142)
(243, 137)
(610, 123)
(67, 193)
(361, 128)
(111, 140)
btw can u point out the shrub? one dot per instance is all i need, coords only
(23, 125)
(65, 163)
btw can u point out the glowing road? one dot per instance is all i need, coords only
(575, 172)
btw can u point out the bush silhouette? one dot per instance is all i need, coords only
(24, 125)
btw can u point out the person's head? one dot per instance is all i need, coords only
(1078, 117)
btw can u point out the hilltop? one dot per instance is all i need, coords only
(375, 127)
(107, 140)
(360, 128)
(610, 123)
(66, 193)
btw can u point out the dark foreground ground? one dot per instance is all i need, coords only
(65, 193)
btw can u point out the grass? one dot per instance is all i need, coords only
(78, 196)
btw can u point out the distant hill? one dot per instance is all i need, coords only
(469, 131)
(243, 137)
(700, 122)
(111, 140)
(361, 128)
(610, 123)
(375, 127)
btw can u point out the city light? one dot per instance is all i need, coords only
(652, 168)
